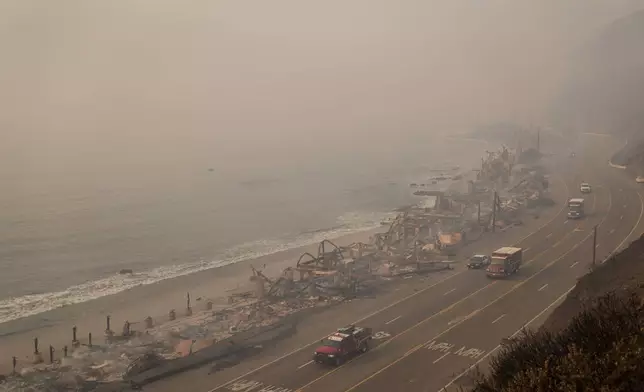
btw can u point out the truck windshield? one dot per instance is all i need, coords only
(498, 260)
(331, 343)
(576, 207)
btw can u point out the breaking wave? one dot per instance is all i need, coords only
(28, 305)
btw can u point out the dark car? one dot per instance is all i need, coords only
(478, 261)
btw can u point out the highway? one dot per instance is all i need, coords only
(429, 339)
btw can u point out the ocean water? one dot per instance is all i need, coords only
(68, 229)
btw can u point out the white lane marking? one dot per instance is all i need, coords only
(574, 264)
(451, 291)
(498, 318)
(497, 299)
(456, 320)
(611, 231)
(639, 219)
(413, 350)
(526, 249)
(441, 357)
(306, 364)
(597, 246)
(556, 244)
(549, 235)
(513, 335)
(566, 221)
(621, 217)
(461, 319)
(543, 287)
(391, 321)
(378, 311)
(381, 335)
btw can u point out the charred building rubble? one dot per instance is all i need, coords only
(421, 239)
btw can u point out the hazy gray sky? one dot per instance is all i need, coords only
(169, 77)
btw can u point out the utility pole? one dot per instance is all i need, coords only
(494, 213)
(539, 139)
(478, 215)
(594, 244)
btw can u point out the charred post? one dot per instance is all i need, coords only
(75, 342)
(37, 354)
(188, 307)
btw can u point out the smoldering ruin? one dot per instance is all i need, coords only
(422, 239)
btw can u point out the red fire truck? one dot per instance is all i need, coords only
(343, 344)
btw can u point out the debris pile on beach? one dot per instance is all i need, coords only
(421, 239)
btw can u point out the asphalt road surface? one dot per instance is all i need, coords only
(430, 339)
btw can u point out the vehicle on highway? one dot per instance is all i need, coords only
(343, 344)
(478, 261)
(576, 208)
(505, 262)
(585, 187)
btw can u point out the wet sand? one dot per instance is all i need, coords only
(156, 300)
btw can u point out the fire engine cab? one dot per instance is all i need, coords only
(343, 344)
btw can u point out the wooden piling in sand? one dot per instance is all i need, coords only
(37, 355)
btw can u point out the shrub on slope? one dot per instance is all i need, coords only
(600, 350)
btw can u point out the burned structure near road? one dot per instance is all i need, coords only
(420, 239)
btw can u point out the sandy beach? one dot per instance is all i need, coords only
(156, 300)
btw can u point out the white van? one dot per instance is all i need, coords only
(585, 187)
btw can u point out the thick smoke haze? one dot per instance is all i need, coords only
(604, 90)
(163, 80)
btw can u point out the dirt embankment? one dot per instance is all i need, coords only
(623, 271)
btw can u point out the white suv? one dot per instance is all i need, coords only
(584, 188)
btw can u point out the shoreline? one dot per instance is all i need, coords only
(54, 327)
(155, 300)
(18, 307)
(159, 301)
